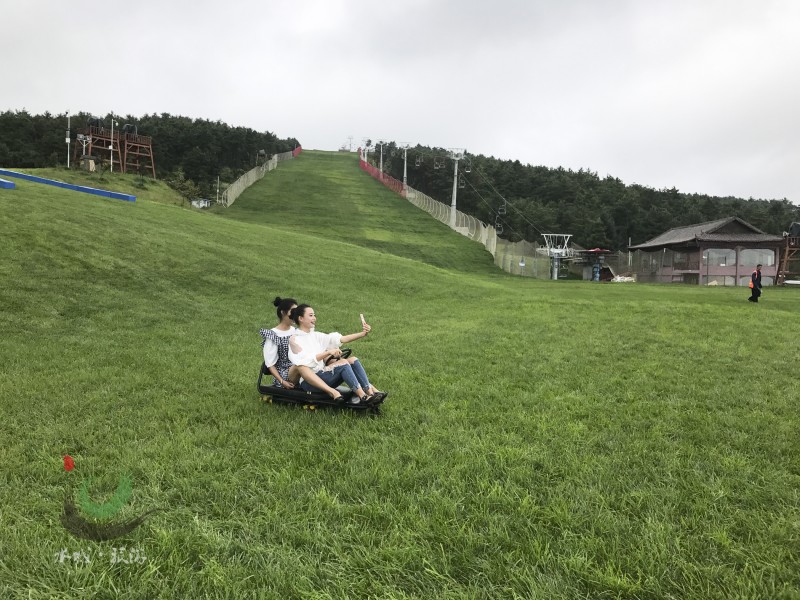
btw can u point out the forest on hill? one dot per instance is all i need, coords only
(189, 153)
(527, 200)
(522, 200)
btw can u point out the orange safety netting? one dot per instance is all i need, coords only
(390, 182)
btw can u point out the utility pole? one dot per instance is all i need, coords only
(67, 139)
(365, 149)
(405, 168)
(381, 142)
(111, 145)
(456, 154)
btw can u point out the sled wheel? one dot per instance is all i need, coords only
(266, 398)
(312, 407)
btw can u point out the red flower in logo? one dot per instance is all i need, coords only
(69, 464)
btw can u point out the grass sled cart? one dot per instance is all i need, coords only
(309, 400)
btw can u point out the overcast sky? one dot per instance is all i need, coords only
(702, 95)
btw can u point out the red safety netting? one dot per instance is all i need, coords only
(297, 151)
(389, 182)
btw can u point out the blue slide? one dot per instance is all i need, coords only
(66, 186)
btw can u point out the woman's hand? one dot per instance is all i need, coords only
(328, 355)
(365, 329)
(287, 384)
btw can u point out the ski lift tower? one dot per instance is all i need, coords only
(557, 249)
(366, 147)
(404, 146)
(456, 154)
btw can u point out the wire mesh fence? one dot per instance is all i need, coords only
(234, 190)
(532, 259)
(387, 180)
(528, 259)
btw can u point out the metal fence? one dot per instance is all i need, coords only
(527, 259)
(390, 182)
(234, 190)
(531, 259)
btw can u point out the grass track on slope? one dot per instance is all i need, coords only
(327, 196)
(541, 439)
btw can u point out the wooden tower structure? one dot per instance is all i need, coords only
(132, 153)
(789, 267)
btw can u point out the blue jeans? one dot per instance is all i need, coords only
(353, 375)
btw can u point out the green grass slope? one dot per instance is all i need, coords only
(144, 188)
(326, 195)
(541, 439)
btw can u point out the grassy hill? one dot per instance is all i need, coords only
(542, 439)
(325, 195)
(144, 188)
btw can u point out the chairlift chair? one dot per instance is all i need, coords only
(417, 161)
(468, 167)
(501, 210)
(461, 182)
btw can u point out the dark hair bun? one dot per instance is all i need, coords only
(277, 301)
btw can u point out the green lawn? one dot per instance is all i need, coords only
(324, 194)
(541, 440)
(144, 188)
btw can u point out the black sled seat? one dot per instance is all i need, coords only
(308, 400)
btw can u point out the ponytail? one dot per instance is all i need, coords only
(284, 305)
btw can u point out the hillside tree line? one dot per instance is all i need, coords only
(599, 212)
(187, 152)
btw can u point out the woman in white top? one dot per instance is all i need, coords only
(275, 342)
(312, 349)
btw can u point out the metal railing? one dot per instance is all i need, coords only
(527, 259)
(234, 190)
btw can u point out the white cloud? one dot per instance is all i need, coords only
(697, 95)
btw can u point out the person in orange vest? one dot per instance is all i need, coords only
(755, 284)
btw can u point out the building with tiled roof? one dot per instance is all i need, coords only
(721, 252)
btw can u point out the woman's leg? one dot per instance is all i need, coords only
(343, 369)
(359, 371)
(295, 373)
(329, 378)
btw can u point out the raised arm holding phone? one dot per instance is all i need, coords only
(313, 349)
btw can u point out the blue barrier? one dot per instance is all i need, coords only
(9, 185)
(68, 186)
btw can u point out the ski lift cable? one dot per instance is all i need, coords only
(505, 202)
(492, 209)
(526, 219)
